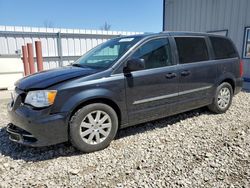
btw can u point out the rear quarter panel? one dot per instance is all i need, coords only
(228, 69)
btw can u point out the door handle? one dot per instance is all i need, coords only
(185, 73)
(170, 75)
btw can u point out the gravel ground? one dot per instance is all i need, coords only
(193, 149)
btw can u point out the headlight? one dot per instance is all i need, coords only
(41, 98)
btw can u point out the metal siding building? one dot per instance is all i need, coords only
(231, 17)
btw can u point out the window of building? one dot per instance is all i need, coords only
(156, 53)
(191, 49)
(223, 48)
(246, 50)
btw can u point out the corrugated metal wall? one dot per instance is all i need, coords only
(210, 15)
(59, 46)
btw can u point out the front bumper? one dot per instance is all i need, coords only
(36, 127)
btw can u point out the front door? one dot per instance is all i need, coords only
(151, 93)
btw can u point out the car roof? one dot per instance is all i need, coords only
(174, 33)
(187, 33)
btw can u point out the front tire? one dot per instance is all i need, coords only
(223, 98)
(93, 127)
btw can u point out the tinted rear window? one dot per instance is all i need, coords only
(223, 48)
(191, 49)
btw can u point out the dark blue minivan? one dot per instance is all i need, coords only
(123, 82)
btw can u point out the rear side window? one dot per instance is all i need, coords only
(191, 49)
(223, 48)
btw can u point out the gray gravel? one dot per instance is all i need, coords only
(193, 149)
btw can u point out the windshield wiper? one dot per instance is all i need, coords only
(76, 65)
(80, 65)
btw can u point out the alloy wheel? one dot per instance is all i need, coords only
(95, 127)
(224, 97)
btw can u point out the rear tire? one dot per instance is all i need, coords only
(223, 98)
(93, 127)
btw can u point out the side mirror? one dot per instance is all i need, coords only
(134, 65)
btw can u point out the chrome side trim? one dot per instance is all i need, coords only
(156, 98)
(194, 90)
(171, 95)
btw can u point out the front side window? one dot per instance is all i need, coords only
(106, 54)
(223, 48)
(156, 53)
(191, 49)
(246, 50)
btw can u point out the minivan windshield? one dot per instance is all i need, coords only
(106, 54)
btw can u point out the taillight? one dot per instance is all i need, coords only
(241, 68)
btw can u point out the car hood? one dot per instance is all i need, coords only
(51, 77)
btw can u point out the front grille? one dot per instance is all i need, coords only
(17, 134)
(29, 139)
(16, 129)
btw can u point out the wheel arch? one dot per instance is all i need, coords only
(102, 100)
(229, 78)
(230, 81)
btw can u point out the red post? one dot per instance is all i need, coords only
(39, 56)
(25, 61)
(31, 58)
